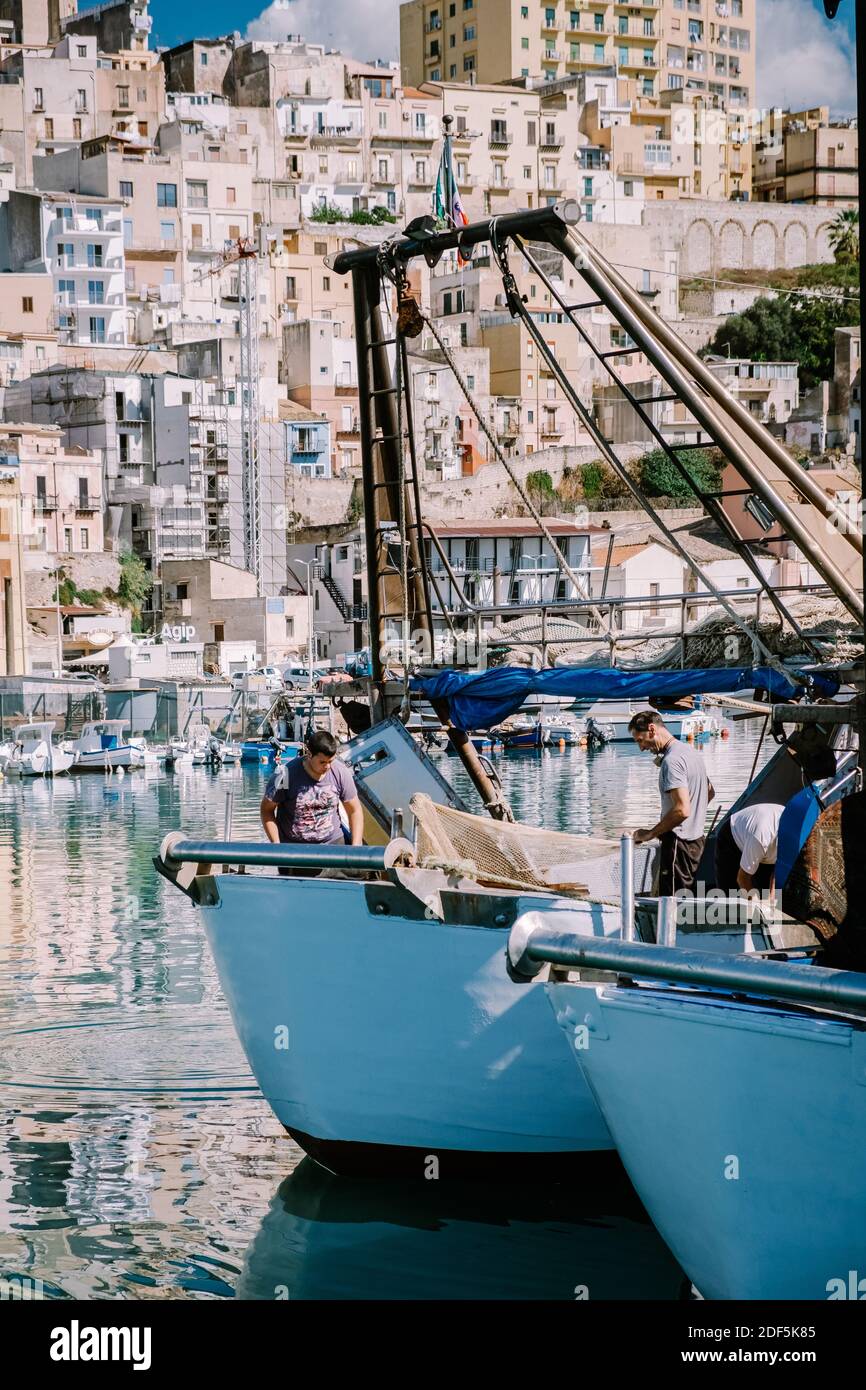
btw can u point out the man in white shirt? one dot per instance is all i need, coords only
(746, 848)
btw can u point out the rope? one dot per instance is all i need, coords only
(521, 491)
(404, 534)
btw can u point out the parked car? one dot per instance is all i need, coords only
(272, 677)
(298, 677)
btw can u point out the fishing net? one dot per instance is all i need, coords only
(825, 887)
(506, 854)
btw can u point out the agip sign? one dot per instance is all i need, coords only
(177, 632)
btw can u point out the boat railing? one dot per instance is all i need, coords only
(746, 974)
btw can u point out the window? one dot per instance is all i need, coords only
(203, 60)
(628, 188)
(97, 331)
(27, 304)
(383, 120)
(234, 232)
(125, 188)
(323, 164)
(587, 212)
(49, 128)
(167, 231)
(452, 70)
(81, 99)
(95, 292)
(166, 195)
(598, 52)
(530, 133)
(67, 538)
(127, 231)
(326, 283)
(524, 11)
(85, 538)
(231, 196)
(469, 62)
(196, 193)
(94, 255)
(550, 18)
(320, 248)
(76, 128)
(587, 187)
(123, 97)
(468, 32)
(38, 102)
(81, 50)
(421, 170)
(524, 43)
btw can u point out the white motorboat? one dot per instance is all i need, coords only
(102, 747)
(6, 751)
(35, 753)
(193, 748)
(226, 752)
(613, 716)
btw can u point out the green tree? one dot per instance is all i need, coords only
(844, 236)
(659, 477)
(789, 328)
(135, 583)
(541, 482)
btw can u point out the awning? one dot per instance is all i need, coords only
(483, 700)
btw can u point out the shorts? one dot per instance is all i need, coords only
(678, 863)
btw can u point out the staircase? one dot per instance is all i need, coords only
(349, 612)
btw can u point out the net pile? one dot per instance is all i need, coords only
(707, 641)
(505, 854)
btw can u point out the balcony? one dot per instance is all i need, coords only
(334, 135)
(383, 180)
(553, 55)
(345, 384)
(467, 181)
(463, 137)
(499, 140)
(587, 29)
(154, 248)
(592, 162)
(503, 186)
(419, 136)
(87, 505)
(45, 504)
(551, 143)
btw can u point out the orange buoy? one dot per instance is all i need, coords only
(726, 733)
(562, 743)
(690, 738)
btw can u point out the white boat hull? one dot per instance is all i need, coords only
(742, 1127)
(379, 1039)
(109, 759)
(41, 763)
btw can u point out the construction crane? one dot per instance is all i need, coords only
(242, 253)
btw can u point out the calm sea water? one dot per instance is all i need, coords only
(137, 1157)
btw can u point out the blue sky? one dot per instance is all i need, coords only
(803, 60)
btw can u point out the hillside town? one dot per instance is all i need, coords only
(168, 217)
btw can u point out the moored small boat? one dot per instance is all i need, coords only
(36, 754)
(102, 747)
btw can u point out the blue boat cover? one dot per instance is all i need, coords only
(484, 699)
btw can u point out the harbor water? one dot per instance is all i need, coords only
(137, 1157)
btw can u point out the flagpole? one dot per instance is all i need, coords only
(446, 159)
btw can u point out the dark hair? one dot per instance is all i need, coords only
(320, 741)
(639, 723)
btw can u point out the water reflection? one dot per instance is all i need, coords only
(137, 1158)
(326, 1237)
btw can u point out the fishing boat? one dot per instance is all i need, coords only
(523, 734)
(268, 752)
(36, 754)
(735, 1090)
(102, 747)
(375, 1003)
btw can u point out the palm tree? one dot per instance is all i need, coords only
(844, 235)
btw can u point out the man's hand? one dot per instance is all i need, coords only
(355, 814)
(641, 836)
(268, 813)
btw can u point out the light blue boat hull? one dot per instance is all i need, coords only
(743, 1129)
(381, 1030)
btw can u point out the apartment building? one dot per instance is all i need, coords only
(78, 244)
(307, 440)
(449, 442)
(60, 488)
(701, 45)
(117, 25)
(14, 659)
(34, 22)
(508, 561)
(320, 372)
(220, 601)
(804, 157)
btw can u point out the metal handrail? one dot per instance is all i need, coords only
(812, 984)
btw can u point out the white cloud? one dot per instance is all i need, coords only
(803, 58)
(360, 28)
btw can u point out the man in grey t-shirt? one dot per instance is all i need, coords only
(685, 792)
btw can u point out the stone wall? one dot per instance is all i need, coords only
(98, 570)
(712, 237)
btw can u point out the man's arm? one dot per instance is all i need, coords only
(355, 812)
(744, 880)
(711, 791)
(268, 813)
(680, 811)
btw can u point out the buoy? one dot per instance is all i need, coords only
(726, 733)
(690, 738)
(562, 743)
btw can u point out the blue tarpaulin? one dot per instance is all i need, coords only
(484, 699)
